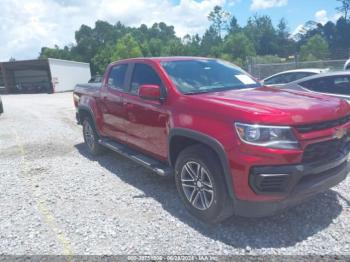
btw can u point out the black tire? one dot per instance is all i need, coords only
(91, 137)
(215, 207)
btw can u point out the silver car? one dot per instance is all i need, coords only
(1, 107)
(347, 65)
(286, 77)
(332, 83)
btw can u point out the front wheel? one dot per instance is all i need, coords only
(91, 137)
(201, 185)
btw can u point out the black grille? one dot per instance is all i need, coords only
(325, 150)
(323, 125)
(313, 178)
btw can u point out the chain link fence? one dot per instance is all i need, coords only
(262, 71)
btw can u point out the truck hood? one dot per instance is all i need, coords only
(276, 106)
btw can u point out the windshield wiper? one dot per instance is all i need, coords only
(218, 89)
(198, 92)
(205, 89)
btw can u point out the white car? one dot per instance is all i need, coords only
(285, 77)
(347, 65)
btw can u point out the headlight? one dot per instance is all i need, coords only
(76, 97)
(280, 137)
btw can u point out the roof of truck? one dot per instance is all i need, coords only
(165, 58)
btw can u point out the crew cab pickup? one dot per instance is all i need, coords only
(232, 145)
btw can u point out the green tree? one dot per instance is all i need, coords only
(87, 45)
(282, 29)
(161, 31)
(238, 46)
(174, 47)
(102, 59)
(126, 47)
(56, 52)
(192, 45)
(329, 33)
(286, 46)
(155, 46)
(210, 42)
(343, 34)
(219, 19)
(104, 33)
(262, 33)
(344, 9)
(233, 26)
(103, 43)
(316, 48)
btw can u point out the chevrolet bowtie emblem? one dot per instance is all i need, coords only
(340, 133)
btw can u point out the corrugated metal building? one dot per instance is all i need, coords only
(42, 75)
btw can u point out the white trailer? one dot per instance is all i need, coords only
(66, 74)
(42, 75)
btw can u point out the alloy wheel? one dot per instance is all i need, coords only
(197, 185)
(89, 134)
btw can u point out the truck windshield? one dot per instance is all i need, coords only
(207, 75)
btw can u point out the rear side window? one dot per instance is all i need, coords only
(143, 75)
(303, 74)
(279, 79)
(116, 77)
(318, 85)
(287, 78)
(333, 85)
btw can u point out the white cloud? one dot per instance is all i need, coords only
(265, 4)
(232, 2)
(189, 16)
(298, 30)
(26, 26)
(322, 17)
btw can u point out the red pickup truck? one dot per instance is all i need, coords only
(233, 146)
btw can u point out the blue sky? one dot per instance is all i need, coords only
(296, 12)
(28, 25)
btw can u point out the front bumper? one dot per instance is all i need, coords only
(295, 183)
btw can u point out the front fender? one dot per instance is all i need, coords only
(212, 143)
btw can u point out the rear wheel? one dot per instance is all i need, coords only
(201, 185)
(91, 137)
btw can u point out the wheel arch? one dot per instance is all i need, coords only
(180, 138)
(84, 111)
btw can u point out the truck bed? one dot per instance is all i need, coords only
(92, 89)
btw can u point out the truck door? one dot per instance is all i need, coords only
(112, 102)
(146, 120)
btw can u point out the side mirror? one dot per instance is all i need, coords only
(150, 92)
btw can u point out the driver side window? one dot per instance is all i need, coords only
(143, 75)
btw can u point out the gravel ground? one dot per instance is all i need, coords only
(56, 199)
